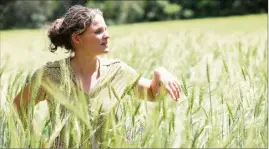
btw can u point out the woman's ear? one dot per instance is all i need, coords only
(75, 38)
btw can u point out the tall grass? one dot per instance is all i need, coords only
(223, 78)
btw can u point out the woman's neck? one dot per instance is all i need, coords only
(84, 65)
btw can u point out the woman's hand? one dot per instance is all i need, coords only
(164, 79)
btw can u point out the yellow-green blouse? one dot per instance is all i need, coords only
(56, 83)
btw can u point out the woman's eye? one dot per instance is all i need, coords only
(98, 31)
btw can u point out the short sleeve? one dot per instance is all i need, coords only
(126, 79)
(35, 83)
(49, 75)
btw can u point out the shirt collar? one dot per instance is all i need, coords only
(102, 67)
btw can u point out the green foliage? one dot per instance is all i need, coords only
(171, 9)
(25, 14)
(28, 14)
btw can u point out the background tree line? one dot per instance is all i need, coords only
(33, 14)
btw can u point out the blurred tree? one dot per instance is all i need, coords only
(118, 12)
(27, 14)
(154, 10)
(172, 10)
(32, 14)
(212, 8)
(131, 12)
(60, 7)
(111, 10)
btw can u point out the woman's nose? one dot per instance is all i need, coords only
(106, 34)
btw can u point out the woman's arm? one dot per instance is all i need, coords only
(24, 98)
(161, 79)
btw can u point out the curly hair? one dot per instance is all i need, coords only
(76, 19)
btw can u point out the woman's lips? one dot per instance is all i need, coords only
(105, 44)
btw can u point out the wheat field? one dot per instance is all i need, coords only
(221, 64)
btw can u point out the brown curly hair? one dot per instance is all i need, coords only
(76, 19)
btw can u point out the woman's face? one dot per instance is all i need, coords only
(94, 40)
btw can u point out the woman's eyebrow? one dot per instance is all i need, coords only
(101, 27)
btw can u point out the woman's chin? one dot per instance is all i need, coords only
(106, 50)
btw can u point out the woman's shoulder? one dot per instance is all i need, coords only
(112, 62)
(109, 61)
(55, 64)
(49, 69)
(116, 64)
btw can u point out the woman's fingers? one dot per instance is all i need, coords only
(169, 82)
(170, 91)
(174, 90)
(177, 89)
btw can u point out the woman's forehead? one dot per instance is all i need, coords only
(98, 21)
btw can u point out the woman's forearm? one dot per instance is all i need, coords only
(145, 89)
(162, 80)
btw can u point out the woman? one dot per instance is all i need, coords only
(84, 32)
